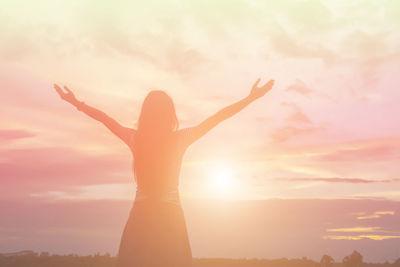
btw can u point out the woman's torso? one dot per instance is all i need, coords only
(157, 164)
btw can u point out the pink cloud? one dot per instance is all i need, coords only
(26, 171)
(370, 153)
(6, 135)
(297, 116)
(295, 124)
(339, 180)
(285, 133)
(299, 87)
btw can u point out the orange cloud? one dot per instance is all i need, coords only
(359, 237)
(339, 180)
(360, 229)
(355, 229)
(376, 214)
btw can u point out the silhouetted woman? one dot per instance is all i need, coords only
(155, 233)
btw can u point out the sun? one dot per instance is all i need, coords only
(223, 180)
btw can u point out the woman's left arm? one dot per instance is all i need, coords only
(194, 133)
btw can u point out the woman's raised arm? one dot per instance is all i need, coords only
(201, 129)
(122, 132)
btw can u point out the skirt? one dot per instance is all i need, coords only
(155, 235)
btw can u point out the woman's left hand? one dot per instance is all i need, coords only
(257, 92)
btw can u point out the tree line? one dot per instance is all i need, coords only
(44, 259)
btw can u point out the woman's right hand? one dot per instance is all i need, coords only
(67, 96)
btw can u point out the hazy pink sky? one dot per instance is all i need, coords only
(329, 129)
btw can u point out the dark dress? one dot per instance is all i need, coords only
(155, 233)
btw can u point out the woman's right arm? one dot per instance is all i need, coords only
(120, 131)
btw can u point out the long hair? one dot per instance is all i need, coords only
(158, 116)
(157, 121)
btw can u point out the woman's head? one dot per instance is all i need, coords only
(158, 114)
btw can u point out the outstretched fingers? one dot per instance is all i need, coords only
(256, 83)
(269, 84)
(58, 89)
(56, 86)
(67, 89)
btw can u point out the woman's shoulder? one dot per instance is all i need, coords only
(184, 132)
(185, 135)
(132, 134)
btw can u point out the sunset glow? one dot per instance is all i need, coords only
(316, 161)
(223, 181)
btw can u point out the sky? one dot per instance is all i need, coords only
(316, 160)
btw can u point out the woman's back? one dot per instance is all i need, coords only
(155, 233)
(157, 161)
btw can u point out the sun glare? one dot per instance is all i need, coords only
(223, 181)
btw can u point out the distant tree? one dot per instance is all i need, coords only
(44, 254)
(353, 260)
(386, 264)
(326, 261)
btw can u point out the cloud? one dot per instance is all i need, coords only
(339, 180)
(361, 43)
(366, 232)
(288, 45)
(375, 215)
(299, 87)
(355, 229)
(32, 170)
(90, 192)
(285, 133)
(311, 17)
(379, 152)
(61, 163)
(8, 135)
(359, 237)
(174, 55)
(183, 60)
(297, 123)
(298, 116)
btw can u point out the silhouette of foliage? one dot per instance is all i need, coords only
(326, 261)
(353, 260)
(397, 263)
(44, 259)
